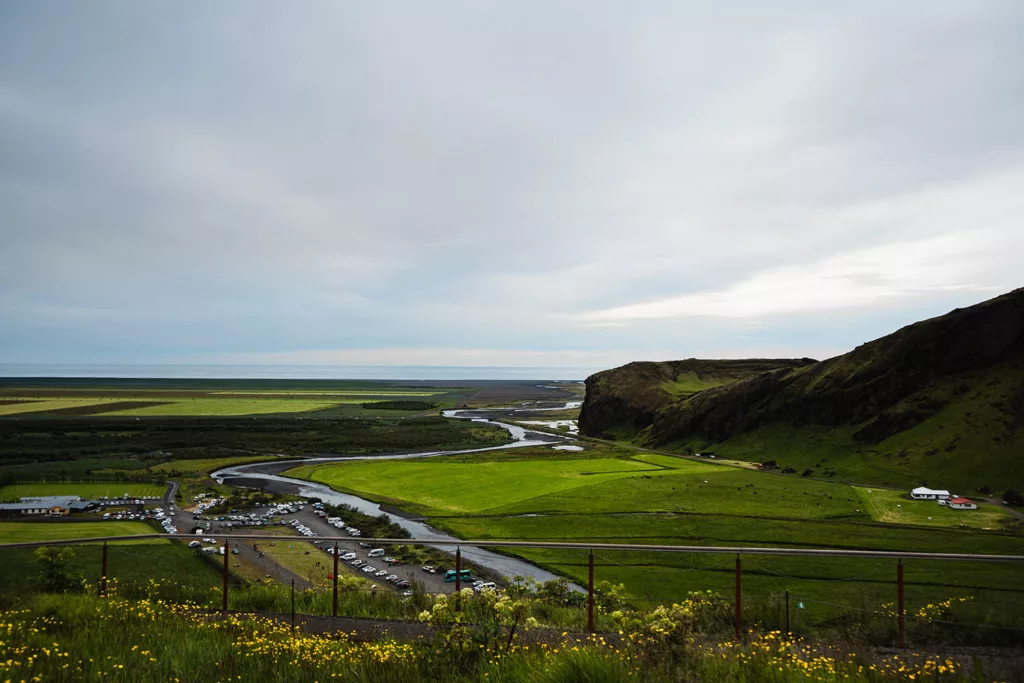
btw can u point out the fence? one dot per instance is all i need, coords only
(791, 597)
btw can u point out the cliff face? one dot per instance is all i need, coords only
(624, 400)
(941, 394)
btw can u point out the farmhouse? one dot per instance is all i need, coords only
(924, 493)
(962, 504)
(58, 511)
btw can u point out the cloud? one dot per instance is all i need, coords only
(874, 277)
(642, 179)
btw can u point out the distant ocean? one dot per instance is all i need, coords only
(389, 372)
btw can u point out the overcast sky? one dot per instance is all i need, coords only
(518, 183)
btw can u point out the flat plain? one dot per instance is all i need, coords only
(608, 495)
(86, 490)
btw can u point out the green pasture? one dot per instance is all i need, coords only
(87, 491)
(228, 406)
(451, 487)
(665, 576)
(42, 404)
(27, 532)
(893, 507)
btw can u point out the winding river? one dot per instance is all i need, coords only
(262, 474)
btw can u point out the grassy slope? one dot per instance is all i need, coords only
(13, 492)
(970, 443)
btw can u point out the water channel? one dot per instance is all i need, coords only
(262, 474)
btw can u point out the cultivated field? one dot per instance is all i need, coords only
(86, 490)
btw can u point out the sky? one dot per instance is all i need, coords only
(477, 183)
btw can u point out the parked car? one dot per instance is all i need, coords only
(348, 556)
(369, 569)
(402, 584)
(391, 578)
(429, 569)
(485, 586)
(382, 573)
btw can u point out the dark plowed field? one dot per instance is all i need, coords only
(13, 401)
(102, 408)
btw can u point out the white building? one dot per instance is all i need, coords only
(924, 493)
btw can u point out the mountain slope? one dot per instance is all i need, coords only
(624, 400)
(940, 401)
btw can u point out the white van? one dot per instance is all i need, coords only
(488, 586)
(376, 552)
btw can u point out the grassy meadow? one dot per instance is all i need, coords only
(28, 532)
(87, 490)
(610, 495)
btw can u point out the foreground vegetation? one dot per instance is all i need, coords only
(80, 638)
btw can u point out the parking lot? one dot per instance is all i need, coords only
(433, 583)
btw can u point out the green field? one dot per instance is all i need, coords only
(26, 532)
(443, 487)
(87, 491)
(895, 508)
(42, 404)
(612, 496)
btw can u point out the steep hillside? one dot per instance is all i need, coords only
(622, 401)
(940, 401)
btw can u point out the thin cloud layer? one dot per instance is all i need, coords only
(470, 182)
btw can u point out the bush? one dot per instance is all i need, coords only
(1013, 497)
(54, 575)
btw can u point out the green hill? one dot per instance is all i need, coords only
(939, 402)
(622, 401)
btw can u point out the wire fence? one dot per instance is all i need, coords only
(942, 600)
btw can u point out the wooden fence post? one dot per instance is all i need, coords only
(334, 604)
(739, 603)
(103, 572)
(224, 579)
(590, 593)
(899, 604)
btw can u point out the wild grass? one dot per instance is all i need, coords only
(76, 638)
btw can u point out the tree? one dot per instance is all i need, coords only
(1013, 497)
(54, 575)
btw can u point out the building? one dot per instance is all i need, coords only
(51, 500)
(962, 504)
(58, 511)
(20, 509)
(924, 493)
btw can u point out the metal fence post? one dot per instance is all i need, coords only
(899, 604)
(334, 603)
(739, 603)
(224, 579)
(590, 592)
(103, 572)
